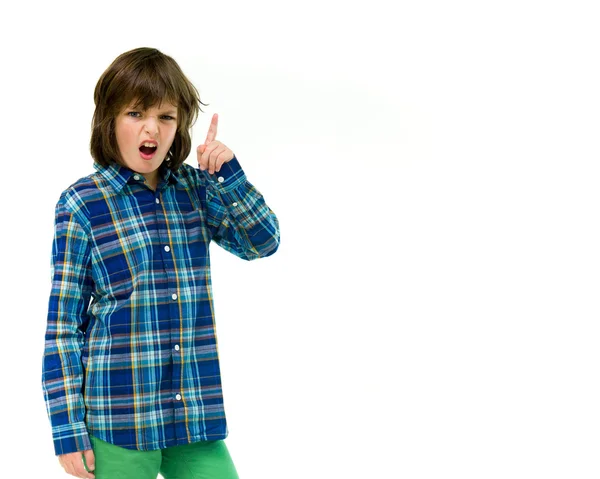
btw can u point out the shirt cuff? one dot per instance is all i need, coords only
(71, 437)
(229, 177)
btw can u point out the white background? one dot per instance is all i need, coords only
(432, 310)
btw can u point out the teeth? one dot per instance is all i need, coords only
(150, 145)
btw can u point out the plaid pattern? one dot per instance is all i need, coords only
(130, 351)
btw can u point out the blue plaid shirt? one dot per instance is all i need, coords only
(130, 353)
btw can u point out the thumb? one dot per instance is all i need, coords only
(89, 459)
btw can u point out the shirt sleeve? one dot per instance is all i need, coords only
(238, 218)
(62, 370)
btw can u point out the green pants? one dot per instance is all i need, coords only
(200, 460)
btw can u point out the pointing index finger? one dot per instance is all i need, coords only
(212, 130)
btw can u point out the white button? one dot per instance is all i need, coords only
(220, 179)
(136, 177)
(177, 347)
(178, 396)
(174, 296)
(235, 203)
(167, 248)
(157, 200)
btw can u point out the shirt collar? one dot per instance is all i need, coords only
(118, 176)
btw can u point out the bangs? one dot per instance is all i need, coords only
(150, 86)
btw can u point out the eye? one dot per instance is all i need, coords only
(134, 112)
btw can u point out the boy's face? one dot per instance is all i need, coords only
(133, 127)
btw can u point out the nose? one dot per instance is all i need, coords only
(151, 125)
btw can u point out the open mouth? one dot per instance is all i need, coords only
(147, 152)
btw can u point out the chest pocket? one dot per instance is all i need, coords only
(121, 266)
(122, 250)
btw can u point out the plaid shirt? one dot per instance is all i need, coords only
(138, 365)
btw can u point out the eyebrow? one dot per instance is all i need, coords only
(169, 112)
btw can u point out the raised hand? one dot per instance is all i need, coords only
(212, 154)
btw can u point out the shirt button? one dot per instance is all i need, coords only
(235, 203)
(178, 396)
(174, 296)
(177, 347)
(220, 179)
(136, 177)
(157, 200)
(167, 248)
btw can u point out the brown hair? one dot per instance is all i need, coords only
(150, 77)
